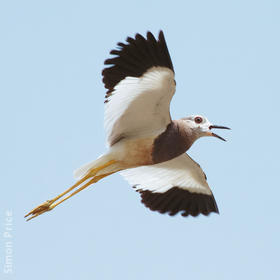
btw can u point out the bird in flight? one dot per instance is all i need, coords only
(145, 145)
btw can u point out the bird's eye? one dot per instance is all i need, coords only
(198, 119)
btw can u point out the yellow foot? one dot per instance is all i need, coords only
(50, 204)
(42, 208)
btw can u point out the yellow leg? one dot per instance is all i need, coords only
(92, 181)
(49, 204)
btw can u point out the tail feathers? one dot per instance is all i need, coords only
(102, 160)
(80, 172)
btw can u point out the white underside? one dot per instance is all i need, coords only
(182, 172)
(139, 106)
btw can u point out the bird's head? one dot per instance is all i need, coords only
(200, 126)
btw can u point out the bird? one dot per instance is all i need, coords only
(145, 145)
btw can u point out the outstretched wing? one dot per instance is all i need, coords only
(140, 83)
(173, 186)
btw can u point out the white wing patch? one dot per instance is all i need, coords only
(139, 106)
(181, 172)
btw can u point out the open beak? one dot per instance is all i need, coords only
(214, 134)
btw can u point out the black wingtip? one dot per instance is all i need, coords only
(135, 58)
(161, 36)
(177, 200)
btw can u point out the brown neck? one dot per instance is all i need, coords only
(174, 141)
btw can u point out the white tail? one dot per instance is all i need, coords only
(80, 172)
(102, 160)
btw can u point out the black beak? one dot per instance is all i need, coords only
(220, 127)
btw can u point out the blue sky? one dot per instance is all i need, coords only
(226, 59)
